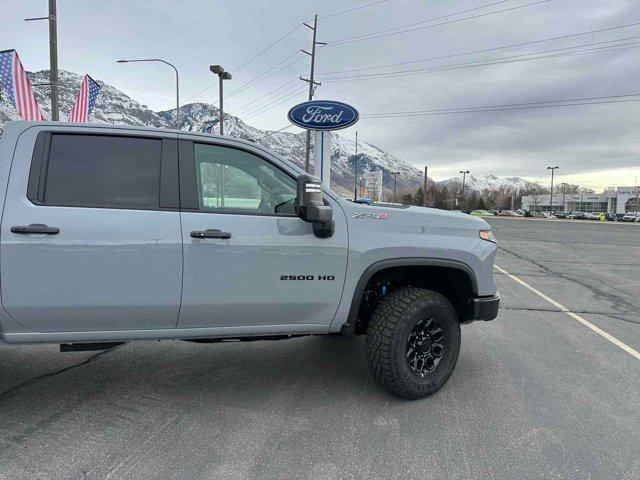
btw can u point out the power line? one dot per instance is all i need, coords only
(267, 94)
(353, 9)
(269, 101)
(276, 131)
(267, 48)
(268, 73)
(511, 106)
(513, 45)
(392, 31)
(484, 63)
(280, 102)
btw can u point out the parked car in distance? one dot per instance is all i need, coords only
(520, 212)
(549, 215)
(561, 214)
(481, 213)
(364, 201)
(631, 217)
(619, 216)
(610, 217)
(589, 216)
(493, 212)
(509, 213)
(542, 215)
(577, 216)
(601, 217)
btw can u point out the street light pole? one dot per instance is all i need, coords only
(564, 205)
(553, 169)
(395, 184)
(222, 76)
(464, 177)
(177, 81)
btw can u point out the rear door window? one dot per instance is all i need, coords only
(103, 171)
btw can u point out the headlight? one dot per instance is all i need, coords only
(488, 236)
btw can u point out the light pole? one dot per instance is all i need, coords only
(222, 76)
(177, 81)
(395, 184)
(464, 177)
(564, 205)
(553, 169)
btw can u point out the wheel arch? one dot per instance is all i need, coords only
(442, 264)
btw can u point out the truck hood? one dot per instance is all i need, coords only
(413, 219)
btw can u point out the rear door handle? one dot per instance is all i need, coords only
(35, 228)
(210, 233)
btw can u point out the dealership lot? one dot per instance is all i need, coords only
(536, 394)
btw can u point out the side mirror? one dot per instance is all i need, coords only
(310, 206)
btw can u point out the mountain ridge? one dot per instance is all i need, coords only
(115, 107)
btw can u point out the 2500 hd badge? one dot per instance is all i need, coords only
(307, 277)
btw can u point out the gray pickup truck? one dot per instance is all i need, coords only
(111, 234)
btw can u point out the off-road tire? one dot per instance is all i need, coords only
(393, 320)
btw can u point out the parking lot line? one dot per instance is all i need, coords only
(575, 316)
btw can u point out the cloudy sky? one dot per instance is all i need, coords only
(596, 145)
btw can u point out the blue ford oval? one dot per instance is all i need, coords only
(323, 115)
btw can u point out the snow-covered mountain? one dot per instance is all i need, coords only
(115, 107)
(488, 183)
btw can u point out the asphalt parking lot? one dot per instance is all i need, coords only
(536, 393)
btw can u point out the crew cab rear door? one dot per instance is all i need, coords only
(90, 237)
(249, 262)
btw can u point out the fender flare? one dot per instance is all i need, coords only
(349, 327)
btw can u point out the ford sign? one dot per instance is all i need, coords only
(323, 115)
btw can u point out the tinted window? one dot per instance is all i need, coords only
(231, 180)
(103, 171)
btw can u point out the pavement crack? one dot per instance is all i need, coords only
(57, 372)
(578, 312)
(616, 301)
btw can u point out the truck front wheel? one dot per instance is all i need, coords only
(413, 341)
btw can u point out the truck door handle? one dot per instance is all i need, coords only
(35, 228)
(210, 233)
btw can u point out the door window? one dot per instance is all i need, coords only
(103, 171)
(235, 181)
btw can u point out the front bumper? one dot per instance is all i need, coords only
(486, 308)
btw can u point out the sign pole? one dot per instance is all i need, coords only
(322, 157)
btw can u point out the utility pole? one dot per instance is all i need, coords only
(424, 188)
(311, 82)
(553, 169)
(355, 172)
(395, 184)
(53, 60)
(53, 57)
(464, 177)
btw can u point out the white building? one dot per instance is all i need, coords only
(620, 200)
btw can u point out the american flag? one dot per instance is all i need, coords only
(85, 100)
(15, 81)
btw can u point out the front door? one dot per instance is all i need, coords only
(111, 254)
(248, 260)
